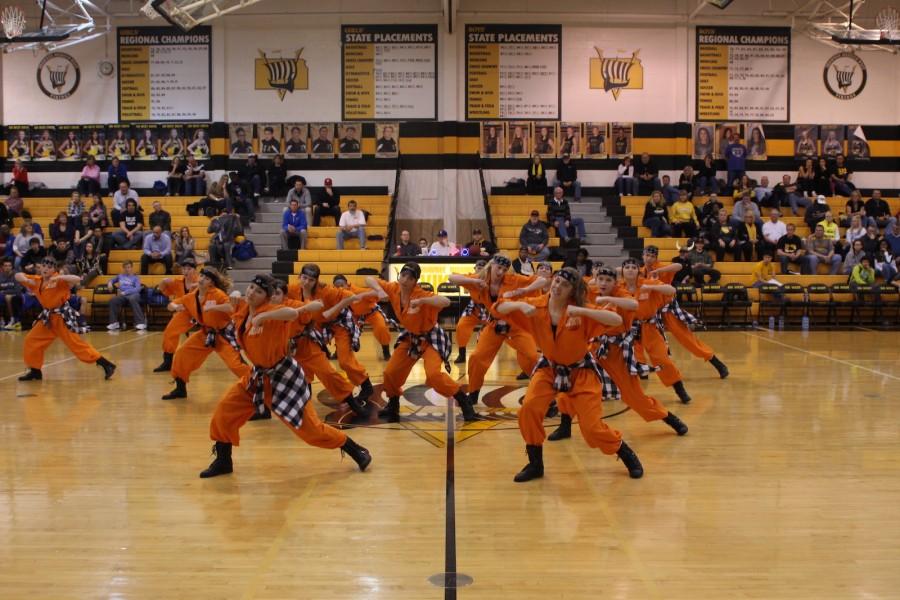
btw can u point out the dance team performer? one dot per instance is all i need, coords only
(472, 316)
(421, 337)
(57, 320)
(563, 325)
(180, 322)
(276, 382)
(368, 311)
(677, 321)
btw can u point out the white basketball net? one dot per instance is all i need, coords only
(888, 21)
(13, 20)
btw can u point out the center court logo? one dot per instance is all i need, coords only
(281, 74)
(616, 73)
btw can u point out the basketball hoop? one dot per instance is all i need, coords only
(888, 21)
(13, 20)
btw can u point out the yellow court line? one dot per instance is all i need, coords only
(825, 356)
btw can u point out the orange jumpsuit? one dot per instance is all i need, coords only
(466, 325)
(678, 328)
(401, 363)
(41, 335)
(567, 345)
(180, 323)
(365, 312)
(489, 341)
(652, 341)
(266, 349)
(191, 355)
(330, 295)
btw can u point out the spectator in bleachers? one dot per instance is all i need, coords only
(159, 217)
(215, 200)
(878, 210)
(853, 257)
(32, 257)
(128, 291)
(626, 182)
(131, 225)
(855, 207)
(841, 176)
(735, 158)
(352, 225)
(749, 237)
(537, 178)
(815, 213)
(647, 174)
(763, 194)
(194, 178)
(820, 248)
(6, 240)
(742, 186)
(61, 229)
(872, 241)
(833, 232)
(252, 177)
(62, 252)
(276, 178)
(83, 231)
(157, 249)
(441, 246)
(27, 220)
(855, 232)
(685, 275)
(886, 262)
(790, 250)
(862, 275)
(301, 194)
(11, 293)
(567, 178)
(892, 235)
(18, 181)
(479, 246)
(293, 225)
(91, 264)
(669, 191)
(806, 179)
(683, 217)
(702, 264)
(789, 194)
(772, 231)
(709, 212)
(236, 199)
(328, 202)
(175, 178)
(406, 247)
(656, 216)
(686, 180)
(224, 229)
(76, 206)
(706, 176)
(89, 183)
(523, 264)
(743, 207)
(423, 246)
(116, 173)
(764, 272)
(185, 246)
(822, 178)
(534, 237)
(14, 203)
(97, 213)
(5, 217)
(559, 214)
(583, 264)
(120, 201)
(22, 243)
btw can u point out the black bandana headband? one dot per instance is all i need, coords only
(631, 261)
(568, 276)
(263, 283)
(500, 260)
(311, 271)
(606, 271)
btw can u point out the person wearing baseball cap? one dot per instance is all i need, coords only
(534, 237)
(327, 204)
(442, 245)
(480, 246)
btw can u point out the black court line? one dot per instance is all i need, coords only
(450, 508)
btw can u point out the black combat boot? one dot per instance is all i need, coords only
(468, 410)
(358, 405)
(386, 352)
(631, 461)
(391, 410)
(461, 359)
(32, 375)
(359, 454)
(166, 364)
(675, 423)
(535, 467)
(682, 393)
(180, 391)
(720, 367)
(221, 465)
(108, 367)
(365, 389)
(564, 431)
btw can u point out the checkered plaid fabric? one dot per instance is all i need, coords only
(472, 308)
(346, 320)
(680, 314)
(69, 316)
(322, 337)
(227, 333)
(654, 320)
(626, 342)
(290, 390)
(437, 338)
(389, 320)
(562, 381)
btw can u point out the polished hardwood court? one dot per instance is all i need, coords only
(786, 487)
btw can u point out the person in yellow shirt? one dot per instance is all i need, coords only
(683, 217)
(764, 273)
(832, 232)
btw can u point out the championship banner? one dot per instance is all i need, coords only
(164, 74)
(743, 74)
(513, 72)
(389, 72)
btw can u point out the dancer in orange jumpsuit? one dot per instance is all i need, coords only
(313, 341)
(422, 337)
(472, 316)
(209, 307)
(493, 283)
(57, 320)
(652, 295)
(563, 325)
(276, 382)
(616, 357)
(369, 312)
(180, 323)
(677, 320)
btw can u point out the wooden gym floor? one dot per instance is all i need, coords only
(787, 486)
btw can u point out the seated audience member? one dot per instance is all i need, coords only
(669, 191)
(89, 183)
(479, 246)
(116, 173)
(686, 180)
(185, 246)
(820, 249)
(194, 178)
(832, 232)
(352, 225)
(735, 158)
(840, 176)
(749, 237)
(567, 178)
(13, 203)
(886, 262)
(723, 237)
(709, 212)
(120, 199)
(62, 252)
(90, 264)
(892, 235)
(871, 241)
(706, 176)
(764, 272)
(128, 291)
(62, 230)
(175, 178)
(656, 216)
(406, 247)
(97, 213)
(252, 176)
(23, 242)
(862, 275)
(423, 246)
(583, 264)
(822, 178)
(685, 275)
(441, 246)
(236, 199)
(160, 217)
(27, 220)
(788, 194)
(743, 207)
(131, 225)
(224, 229)
(855, 207)
(560, 215)
(806, 179)
(763, 194)
(294, 225)
(157, 249)
(855, 231)
(215, 201)
(647, 175)
(10, 296)
(702, 264)
(790, 250)
(773, 230)
(815, 213)
(76, 206)
(6, 240)
(32, 257)
(18, 181)
(276, 178)
(327, 203)
(853, 257)
(683, 217)
(304, 199)
(626, 182)
(536, 183)
(534, 237)
(523, 264)
(878, 209)
(742, 186)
